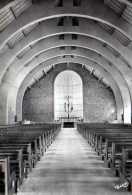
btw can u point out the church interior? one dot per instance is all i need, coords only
(65, 97)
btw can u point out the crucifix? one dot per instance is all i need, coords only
(68, 106)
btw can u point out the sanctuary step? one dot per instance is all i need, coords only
(70, 167)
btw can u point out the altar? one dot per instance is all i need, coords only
(69, 122)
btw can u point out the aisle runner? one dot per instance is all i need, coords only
(70, 167)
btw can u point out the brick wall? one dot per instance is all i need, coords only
(99, 103)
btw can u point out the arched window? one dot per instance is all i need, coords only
(68, 95)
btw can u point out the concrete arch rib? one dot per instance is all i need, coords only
(26, 81)
(51, 42)
(49, 29)
(126, 100)
(90, 9)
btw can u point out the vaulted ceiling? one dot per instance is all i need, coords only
(36, 35)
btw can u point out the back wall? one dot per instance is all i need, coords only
(98, 101)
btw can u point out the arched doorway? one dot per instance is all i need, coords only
(68, 95)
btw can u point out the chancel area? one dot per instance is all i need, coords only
(65, 97)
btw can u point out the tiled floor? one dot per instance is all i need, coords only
(70, 167)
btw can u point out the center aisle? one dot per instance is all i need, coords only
(70, 167)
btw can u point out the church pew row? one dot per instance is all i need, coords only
(103, 148)
(20, 149)
(114, 145)
(127, 162)
(34, 143)
(7, 177)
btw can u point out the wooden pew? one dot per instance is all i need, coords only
(16, 162)
(7, 177)
(114, 150)
(35, 145)
(126, 166)
(102, 141)
(27, 154)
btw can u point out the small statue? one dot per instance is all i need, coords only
(68, 106)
